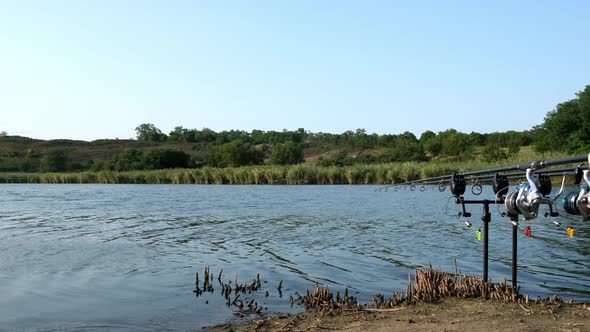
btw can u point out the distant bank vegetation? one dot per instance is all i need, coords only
(288, 157)
(294, 174)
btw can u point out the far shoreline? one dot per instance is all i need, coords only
(390, 174)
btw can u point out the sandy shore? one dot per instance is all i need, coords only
(452, 314)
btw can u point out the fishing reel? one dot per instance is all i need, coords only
(526, 200)
(545, 188)
(578, 203)
(529, 197)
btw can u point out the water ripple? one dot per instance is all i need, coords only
(122, 257)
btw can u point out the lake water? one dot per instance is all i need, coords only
(124, 257)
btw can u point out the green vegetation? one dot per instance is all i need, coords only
(54, 160)
(492, 152)
(289, 157)
(234, 154)
(289, 153)
(389, 173)
(567, 128)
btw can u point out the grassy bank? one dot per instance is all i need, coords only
(297, 174)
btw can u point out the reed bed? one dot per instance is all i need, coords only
(282, 175)
(236, 294)
(426, 286)
(390, 173)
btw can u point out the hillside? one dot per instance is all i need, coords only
(565, 130)
(17, 153)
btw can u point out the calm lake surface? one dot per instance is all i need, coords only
(124, 257)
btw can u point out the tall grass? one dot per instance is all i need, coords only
(288, 175)
(390, 173)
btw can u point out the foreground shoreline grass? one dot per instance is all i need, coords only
(382, 174)
(434, 300)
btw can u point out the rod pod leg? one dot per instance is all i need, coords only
(514, 258)
(486, 218)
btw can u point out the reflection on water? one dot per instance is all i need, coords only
(121, 257)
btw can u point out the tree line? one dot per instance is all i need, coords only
(432, 143)
(565, 129)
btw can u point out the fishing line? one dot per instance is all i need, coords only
(470, 228)
(497, 198)
(521, 204)
(447, 208)
(570, 230)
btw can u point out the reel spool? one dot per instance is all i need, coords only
(578, 203)
(526, 200)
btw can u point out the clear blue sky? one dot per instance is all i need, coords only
(97, 69)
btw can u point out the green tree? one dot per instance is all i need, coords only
(149, 132)
(456, 144)
(493, 152)
(514, 146)
(584, 106)
(286, 154)
(297, 137)
(567, 128)
(404, 150)
(54, 160)
(165, 158)
(478, 138)
(233, 154)
(431, 143)
(127, 160)
(178, 134)
(427, 135)
(205, 135)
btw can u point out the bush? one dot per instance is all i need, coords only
(54, 160)
(286, 154)
(127, 160)
(492, 152)
(165, 158)
(234, 154)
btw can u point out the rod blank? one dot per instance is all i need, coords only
(521, 168)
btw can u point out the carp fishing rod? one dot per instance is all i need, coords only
(523, 203)
(487, 175)
(442, 182)
(529, 195)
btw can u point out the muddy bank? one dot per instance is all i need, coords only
(434, 300)
(451, 314)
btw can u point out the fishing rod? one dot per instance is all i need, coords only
(529, 195)
(524, 202)
(442, 182)
(532, 165)
(520, 167)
